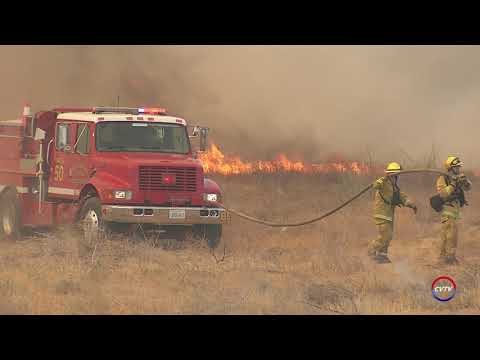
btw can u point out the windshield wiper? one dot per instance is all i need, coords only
(115, 147)
(152, 147)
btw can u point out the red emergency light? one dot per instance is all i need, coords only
(168, 179)
(152, 111)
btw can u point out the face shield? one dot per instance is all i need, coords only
(456, 170)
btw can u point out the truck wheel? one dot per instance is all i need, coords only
(213, 234)
(9, 216)
(91, 220)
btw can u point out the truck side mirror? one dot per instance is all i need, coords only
(203, 138)
(39, 134)
(195, 131)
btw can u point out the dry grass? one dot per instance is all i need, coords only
(316, 269)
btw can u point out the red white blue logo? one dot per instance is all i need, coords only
(444, 288)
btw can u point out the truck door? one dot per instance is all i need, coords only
(70, 166)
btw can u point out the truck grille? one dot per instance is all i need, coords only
(151, 178)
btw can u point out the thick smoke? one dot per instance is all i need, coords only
(389, 102)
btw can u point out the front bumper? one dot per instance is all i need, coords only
(163, 215)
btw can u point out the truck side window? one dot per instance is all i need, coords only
(63, 136)
(83, 139)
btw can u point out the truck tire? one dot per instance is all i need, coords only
(90, 220)
(213, 235)
(9, 216)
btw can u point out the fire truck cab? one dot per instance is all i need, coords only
(106, 169)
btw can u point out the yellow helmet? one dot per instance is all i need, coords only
(393, 167)
(452, 161)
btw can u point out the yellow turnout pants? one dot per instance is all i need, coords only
(380, 244)
(449, 237)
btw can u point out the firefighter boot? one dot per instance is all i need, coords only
(382, 258)
(448, 260)
(452, 260)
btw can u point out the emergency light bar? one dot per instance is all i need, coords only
(131, 111)
(120, 110)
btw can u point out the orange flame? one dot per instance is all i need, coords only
(214, 161)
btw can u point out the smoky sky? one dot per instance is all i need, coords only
(310, 102)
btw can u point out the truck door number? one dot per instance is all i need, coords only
(58, 173)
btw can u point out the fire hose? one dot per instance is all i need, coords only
(329, 213)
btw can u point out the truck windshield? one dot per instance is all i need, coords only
(142, 136)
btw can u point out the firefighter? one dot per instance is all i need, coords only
(387, 197)
(451, 189)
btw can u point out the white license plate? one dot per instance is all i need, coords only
(176, 214)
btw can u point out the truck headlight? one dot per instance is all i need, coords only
(211, 197)
(122, 194)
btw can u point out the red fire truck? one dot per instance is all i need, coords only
(105, 168)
